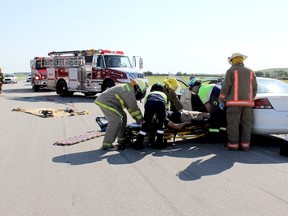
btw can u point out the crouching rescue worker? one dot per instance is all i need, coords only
(190, 99)
(1, 79)
(209, 95)
(112, 102)
(238, 91)
(155, 104)
(204, 98)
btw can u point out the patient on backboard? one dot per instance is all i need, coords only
(177, 120)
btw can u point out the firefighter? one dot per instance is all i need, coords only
(238, 91)
(112, 102)
(170, 86)
(1, 79)
(155, 105)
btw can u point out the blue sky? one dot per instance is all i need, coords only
(185, 35)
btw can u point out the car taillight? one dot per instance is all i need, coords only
(262, 103)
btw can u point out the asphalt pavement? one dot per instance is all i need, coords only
(188, 178)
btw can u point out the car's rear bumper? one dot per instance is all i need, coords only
(269, 121)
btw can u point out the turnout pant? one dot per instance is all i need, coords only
(239, 125)
(116, 125)
(153, 108)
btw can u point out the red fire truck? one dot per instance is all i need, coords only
(38, 73)
(90, 71)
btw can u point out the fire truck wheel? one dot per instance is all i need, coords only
(35, 88)
(62, 88)
(89, 94)
(107, 84)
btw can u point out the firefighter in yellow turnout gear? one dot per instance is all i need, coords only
(1, 80)
(112, 102)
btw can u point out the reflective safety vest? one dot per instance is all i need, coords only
(205, 92)
(158, 95)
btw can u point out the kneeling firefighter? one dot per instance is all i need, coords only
(112, 102)
(155, 105)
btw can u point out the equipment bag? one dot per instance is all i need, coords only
(102, 122)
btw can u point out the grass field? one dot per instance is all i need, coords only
(159, 79)
(21, 76)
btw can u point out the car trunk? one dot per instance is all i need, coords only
(279, 102)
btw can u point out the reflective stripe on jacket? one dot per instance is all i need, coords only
(239, 87)
(156, 95)
(118, 98)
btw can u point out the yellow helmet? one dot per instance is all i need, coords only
(143, 85)
(172, 83)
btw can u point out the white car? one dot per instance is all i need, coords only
(271, 106)
(28, 78)
(10, 78)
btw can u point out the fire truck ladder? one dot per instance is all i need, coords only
(74, 60)
(74, 52)
(58, 53)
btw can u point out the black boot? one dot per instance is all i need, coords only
(284, 149)
(138, 144)
(160, 144)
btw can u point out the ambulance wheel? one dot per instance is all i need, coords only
(107, 84)
(62, 89)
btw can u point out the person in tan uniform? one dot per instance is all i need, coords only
(1, 79)
(238, 91)
(190, 99)
(112, 102)
(170, 86)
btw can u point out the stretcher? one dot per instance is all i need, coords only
(194, 130)
(191, 131)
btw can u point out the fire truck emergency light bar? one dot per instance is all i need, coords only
(85, 52)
